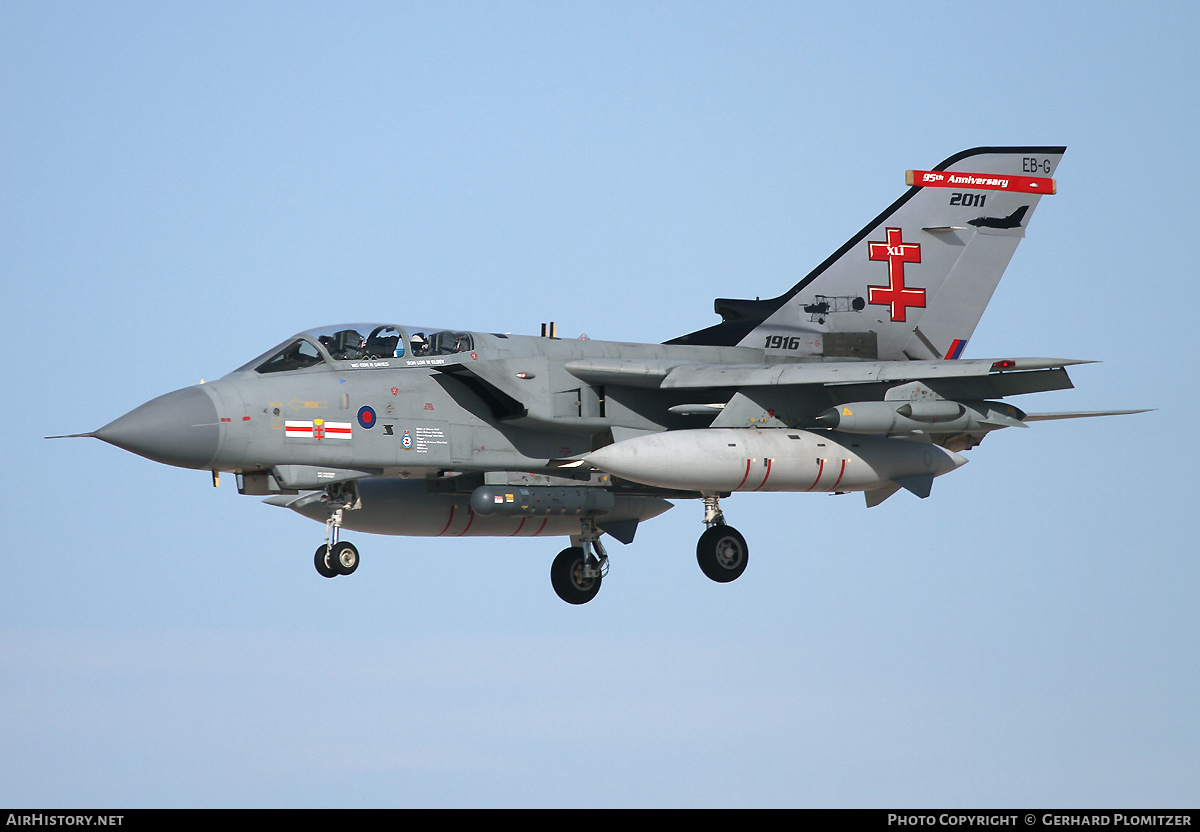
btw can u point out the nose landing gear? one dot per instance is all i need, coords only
(335, 558)
(340, 559)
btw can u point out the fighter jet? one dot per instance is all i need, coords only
(389, 428)
(1013, 220)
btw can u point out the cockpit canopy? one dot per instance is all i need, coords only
(349, 343)
(373, 343)
(295, 356)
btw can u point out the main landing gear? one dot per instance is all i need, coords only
(577, 571)
(721, 551)
(335, 558)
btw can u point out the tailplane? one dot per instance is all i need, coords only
(914, 282)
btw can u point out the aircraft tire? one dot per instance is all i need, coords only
(722, 554)
(324, 563)
(567, 580)
(345, 558)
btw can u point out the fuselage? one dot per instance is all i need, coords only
(469, 401)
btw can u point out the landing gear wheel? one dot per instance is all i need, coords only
(345, 558)
(569, 579)
(722, 553)
(324, 562)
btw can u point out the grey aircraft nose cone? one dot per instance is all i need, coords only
(180, 428)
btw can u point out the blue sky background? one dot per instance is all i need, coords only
(187, 184)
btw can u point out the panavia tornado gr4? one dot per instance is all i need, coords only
(852, 380)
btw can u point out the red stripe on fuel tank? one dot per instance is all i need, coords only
(470, 520)
(764, 482)
(820, 470)
(743, 482)
(448, 522)
(839, 479)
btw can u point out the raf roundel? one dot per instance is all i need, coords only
(366, 417)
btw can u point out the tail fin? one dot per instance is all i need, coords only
(915, 281)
